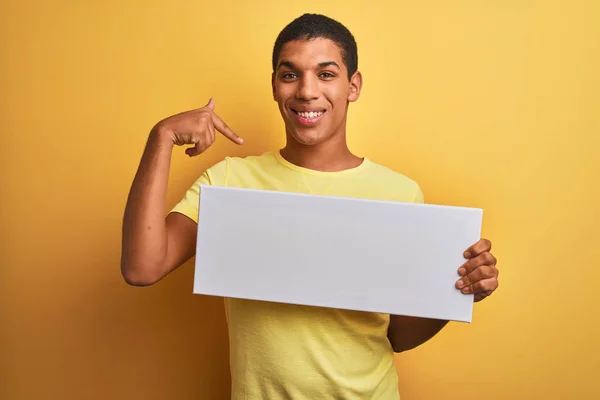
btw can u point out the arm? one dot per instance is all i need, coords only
(478, 276)
(406, 333)
(152, 245)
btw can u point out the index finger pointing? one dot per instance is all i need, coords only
(225, 130)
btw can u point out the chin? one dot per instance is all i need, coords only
(309, 138)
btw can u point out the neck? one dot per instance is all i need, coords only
(331, 156)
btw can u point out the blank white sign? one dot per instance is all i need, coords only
(377, 256)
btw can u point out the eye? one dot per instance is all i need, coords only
(326, 75)
(289, 75)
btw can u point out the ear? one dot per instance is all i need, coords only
(355, 86)
(273, 86)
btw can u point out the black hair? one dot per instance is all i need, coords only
(313, 26)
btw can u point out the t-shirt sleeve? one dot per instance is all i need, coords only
(189, 204)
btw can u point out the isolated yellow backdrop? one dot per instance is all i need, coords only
(491, 104)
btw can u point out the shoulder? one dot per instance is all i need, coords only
(396, 181)
(383, 173)
(220, 172)
(262, 160)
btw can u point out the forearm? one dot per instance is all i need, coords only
(406, 333)
(144, 245)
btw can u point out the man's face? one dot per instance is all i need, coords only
(312, 90)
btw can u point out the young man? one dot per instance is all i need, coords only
(281, 351)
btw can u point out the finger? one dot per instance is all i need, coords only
(484, 285)
(473, 263)
(483, 272)
(211, 131)
(192, 151)
(211, 104)
(482, 295)
(225, 130)
(197, 149)
(481, 246)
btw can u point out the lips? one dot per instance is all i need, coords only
(308, 117)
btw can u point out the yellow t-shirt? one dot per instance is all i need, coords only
(284, 351)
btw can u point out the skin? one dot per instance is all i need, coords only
(152, 245)
(310, 76)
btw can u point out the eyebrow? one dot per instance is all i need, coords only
(324, 64)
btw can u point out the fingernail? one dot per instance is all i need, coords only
(460, 283)
(465, 290)
(462, 271)
(467, 254)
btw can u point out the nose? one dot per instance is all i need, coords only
(308, 88)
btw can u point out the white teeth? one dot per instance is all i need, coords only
(310, 114)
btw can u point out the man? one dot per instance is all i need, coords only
(282, 351)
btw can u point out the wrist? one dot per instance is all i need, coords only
(162, 136)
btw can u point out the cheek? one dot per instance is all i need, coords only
(337, 96)
(282, 95)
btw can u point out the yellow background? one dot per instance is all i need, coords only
(492, 104)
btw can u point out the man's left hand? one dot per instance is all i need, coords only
(479, 274)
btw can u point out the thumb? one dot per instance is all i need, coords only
(211, 104)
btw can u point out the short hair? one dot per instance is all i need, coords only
(313, 26)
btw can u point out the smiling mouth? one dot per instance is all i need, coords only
(308, 117)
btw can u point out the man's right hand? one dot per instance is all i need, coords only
(154, 245)
(196, 127)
